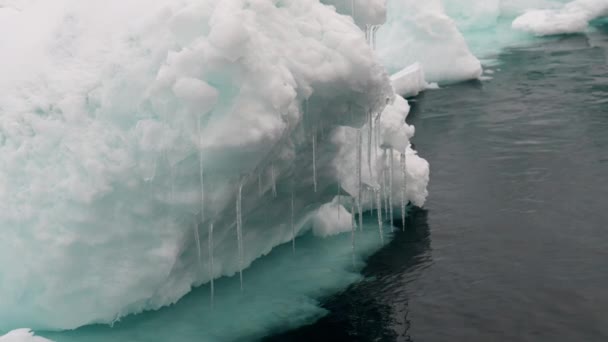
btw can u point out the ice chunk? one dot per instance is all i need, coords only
(327, 221)
(420, 31)
(22, 335)
(100, 147)
(571, 18)
(409, 81)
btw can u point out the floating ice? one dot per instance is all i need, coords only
(420, 32)
(571, 18)
(410, 81)
(104, 128)
(22, 335)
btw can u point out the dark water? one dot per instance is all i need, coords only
(513, 242)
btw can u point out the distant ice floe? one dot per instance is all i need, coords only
(573, 17)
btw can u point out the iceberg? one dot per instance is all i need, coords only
(121, 145)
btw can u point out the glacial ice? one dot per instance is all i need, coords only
(101, 155)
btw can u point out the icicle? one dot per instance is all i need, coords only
(198, 245)
(390, 185)
(338, 197)
(202, 184)
(369, 143)
(374, 30)
(379, 211)
(212, 286)
(376, 136)
(383, 184)
(260, 185)
(200, 170)
(314, 160)
(360, 184)
(293, 226)
(273, 180)
(403, 189)
(352, 230)
(239, 230)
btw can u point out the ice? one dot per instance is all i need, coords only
(327, 222)
(359, 176)
(292, 222)
(197, 241)
(421, 32)
(105, 129)
(571, 18)
(403, 163)
(22, 335)
(391, 167)
(364, 12)
(410, 81)
(239, 230)
(379, 212)
(314, 161)
(211, 267)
